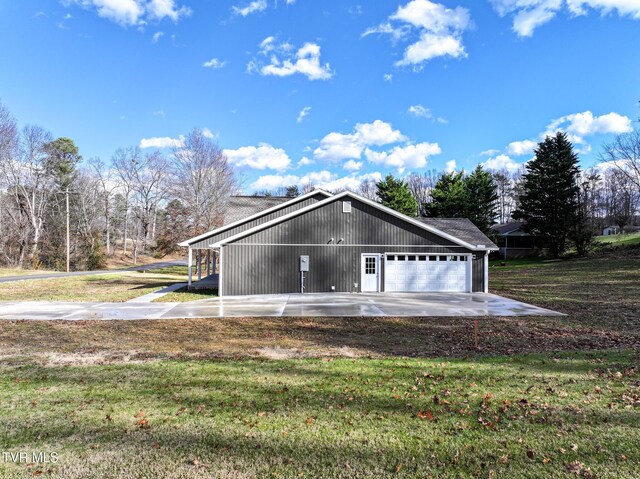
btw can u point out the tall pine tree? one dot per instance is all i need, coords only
(548, 203)
(474, 197)
(449, 197)
(395, 194)
(482, 199)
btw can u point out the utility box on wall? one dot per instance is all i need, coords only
(304, 263)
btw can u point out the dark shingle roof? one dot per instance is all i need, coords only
(240, 207)
(460, 228)
(505, 228)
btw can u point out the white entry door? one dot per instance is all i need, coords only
(370, 274)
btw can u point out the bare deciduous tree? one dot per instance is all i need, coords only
(202, 180)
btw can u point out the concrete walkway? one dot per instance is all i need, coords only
(318, 305)
(148, 267)
(150, 297)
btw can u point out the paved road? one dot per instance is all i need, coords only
(336, 304)
(162, 264)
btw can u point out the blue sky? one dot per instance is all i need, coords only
(331, 92)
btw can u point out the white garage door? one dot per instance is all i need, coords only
(426, 273)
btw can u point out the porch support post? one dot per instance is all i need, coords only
(208, 262)
(199, 264)
(190, 266)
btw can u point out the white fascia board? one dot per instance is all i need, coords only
(392, 212)
(216, 231)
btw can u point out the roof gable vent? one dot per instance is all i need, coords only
(346, 206)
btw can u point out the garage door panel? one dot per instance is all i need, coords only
(437, 273)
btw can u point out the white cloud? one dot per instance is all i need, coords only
(214, 64)
(207, 133)
(159, 113)
(388, 77)
(580, 125)
(261, 157)
(501, 162)
(253, 7)
(157, 36)
(402, 157)
(162, 142)
(135, 12)
(340, 146)
(283, 62)
(321, 179)
(490, 152)
(439, 30)
(530, 14)
(304, 161)
(353, 165)
(451, 166)
(519, 148)
(303, 114)
(420, 111)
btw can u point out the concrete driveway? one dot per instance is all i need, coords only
(335, 304)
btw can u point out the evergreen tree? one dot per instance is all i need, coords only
(62, 158)
(292, 191)
(548, 203)
(449, 197)
(482, 199)
(395, 194)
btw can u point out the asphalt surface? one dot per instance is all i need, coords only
(26, 277)
(317, 305)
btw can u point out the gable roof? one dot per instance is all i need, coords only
(242, 209)
(486, 244)
(461, 228)
(506, 228)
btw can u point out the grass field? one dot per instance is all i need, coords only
(21, 272)
(103, 287)
(617, 241)
(348, 397)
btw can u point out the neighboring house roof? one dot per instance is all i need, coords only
(506, 228)
(484, 244)
(242, 209)
(461, 228)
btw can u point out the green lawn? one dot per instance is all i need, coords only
(101, 287)
(183, 294)
(347, 397)
(520, 417)
(22, 272)
(623, 240)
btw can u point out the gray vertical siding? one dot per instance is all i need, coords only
(364, 225)
(267, 262)
(204, 244)
(477, 273)
(274, 269)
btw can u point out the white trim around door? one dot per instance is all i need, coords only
(370, 272)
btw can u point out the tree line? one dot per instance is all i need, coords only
(137, 202)
(141, 202)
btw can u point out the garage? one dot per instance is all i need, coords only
(416, 272)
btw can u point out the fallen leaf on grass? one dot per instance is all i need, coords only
(142, 423)
(425, 415)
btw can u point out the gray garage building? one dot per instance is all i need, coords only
(320, 242)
